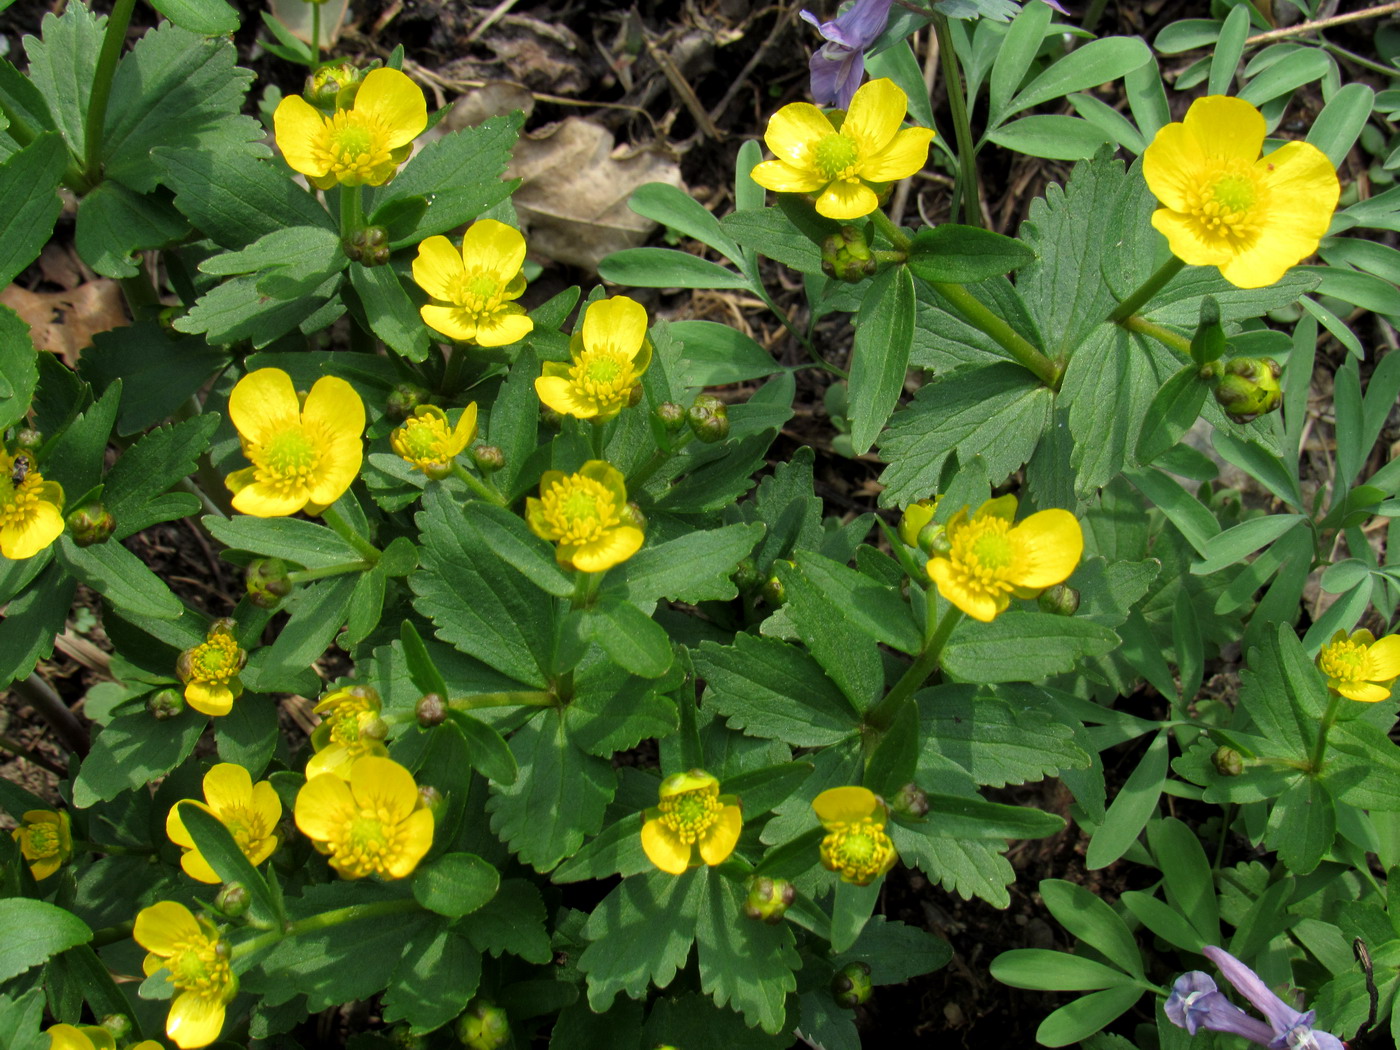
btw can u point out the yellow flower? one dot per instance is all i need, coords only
(360, 146)
(691, 815)
(1224, 205)
(428, 442)
(610, 352)
(249, 811)
(89, 1037)
(846, 161)
(31, 509)
(198, 961)
(45, 840)
(210, 670)
(915, 517)
(855, 845)
(587, 515)
(372, 824)
(988, 559)
(475, 289)
(1359, 667)
(304, 456)
(350, 729)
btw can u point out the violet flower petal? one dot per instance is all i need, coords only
(1281, 1017)
(837, 66)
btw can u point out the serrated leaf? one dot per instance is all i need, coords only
(114, 223)
(996, 744)
(895, 952)
(19, 373)
(61, 64)
(35, 931)
(880, 356)
(641, 934)
(850, 657)
(513, 921)
(435, 980)
(32, 621)
(455, 884)
(120, 577)
(612, 713)
(965, 254)
(207, 17)
(237, 310)
(133, 750)
(966, 867)
(510, 538)
(1023, 647)
(692, 568)
(1281, 691)
(747, 966)
(29, 186)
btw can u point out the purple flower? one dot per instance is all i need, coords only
(838, 65)
(1195, 1003)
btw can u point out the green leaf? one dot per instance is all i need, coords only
(880, 357)
(631, 638)
(479, 154)
(612, 713)
(641, 935)
(32, 621)
(876, 609)
(298, 541)
(1173, 411)
(960, 817)
(1052, 136)
(995, 742)
(1337, 127)
(1302, 825)
(237, 310)
(366, 605)
(389, 311)
(217, 846)
(661, 202)
(849, 656)
(249, 734)
(1186, 875)
(1282, 692)
(1089, 65)
(291, 261)
(1055, 971)
(1130, 810)
(120, 577)
(748, 966)
(1023, 647)
(35, 931)
(1196, 523)
(967, 867)
(160, 370)
(771, 689)
(509, 537)
(1092, 921)
(1163, 921)
(716, 354)
(455, 884)
(1228, 51)
(891, 764)
(19, 373)
(1232, 545)
(29, 186)
(21, 1019)
(490, 754)
(1295, 69)
(1014, 57)
(316, 614)
(694, 567)
(1086, 1015)
(764, 789)
(436, 979)
(132, 751)
(61, 65)
(770, 233)
(963, 254)
(114, 223)
(895, 952)
(617, 850)
(667, 268)
(206, 17)
(513, 921)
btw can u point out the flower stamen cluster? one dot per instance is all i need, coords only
(210, 670)
(691, 817)
(587, 515)
(856, 845)
(430, 443)
(350, 729)
(609, 353)
(45, 841)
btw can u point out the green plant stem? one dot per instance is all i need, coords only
(515, 698)
(112, 934)
(893, 233)
(352, 212)
(1006, 337)
(1175, 340)
(1145, 291)
(962, 126)
(658, 458)
(480, 486)
(456, 362)
(936, 632)
(1320, 748)
(140, 294)
(326, 920)
(596, 440)
(112, 40)
(315, 35)
(347, 532)
(585, 588)
(341, 569)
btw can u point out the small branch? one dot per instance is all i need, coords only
(32, 757)
(51, 708)
(1323, 23)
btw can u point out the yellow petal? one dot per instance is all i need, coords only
(494, 247)
(876, 112)
(164, 927)
(847, 200)
(664, 849)
(335, 414)
(1048, 547)
(906, 154)
(1268, 259)
(1185, 241)
(438, 267)
(612, 548)
(504, 326)
(1366, 692)
(396, 102)
(386, 785)
(1003, 507)
(334, 759)
(534, 517)
(323, 806)
(42, 525)
(607, 475)
(266, 804)
(300, 130)
(1227, 129)
(464, 431)
(781, 177)
(619, 323)
(227, 786)
(557, 393)
(793, 131)
(264, 404)
(175, 829)
(194, 1020)
(979, 604)
(722, 837)
(1175, 166)
(1383, 659)
(67, 1037)
(263, 501)
(199, 869)
(844, 805)
(1302, 186)
(416, 838)
(209, 698)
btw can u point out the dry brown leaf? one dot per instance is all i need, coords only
(65, 322)
(573, 200)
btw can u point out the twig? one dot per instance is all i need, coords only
(51, 708)
(486, 23)
(682, 88)
(743, 78)
(32, 757)
(1323, 23)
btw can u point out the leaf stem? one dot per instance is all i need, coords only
(339, 569)
(1145, 291)
(112, 40)
(352, 212)
(658, 459)
(936, 632)
(968, 185)
(1320, 748)
(347, 532)
(1175, 340)
(327, 919)
(315, 35)
(510, 698)
(482, 487)
(1010, 340)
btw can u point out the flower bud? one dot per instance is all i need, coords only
(403, 399)
(267, 582)
(709, 418)
(375, 256)
(1059, 600)
(431, 710)
(550, 418)
(634, 396)
(233, 900)
(1249, 388)
(484, 1026)
(769, 899)
(910, 801)
(488, 458)
(1227, 761)
(167, 703)
(915, 517)
(745, 575)
(851, 986)
(28, 440)
(118, 1026)
(671, 415)
(933, 540)
(846, 256)
(773, 592)
(404, 1038)
(91, 523)
(325, 83)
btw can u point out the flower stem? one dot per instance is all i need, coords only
(514, 698)
(352, 212)
(1175, 340)
(1006, 337)
(347, 532)
(327, 919)
(341, 569)
(585, 588)
(1145, 291)
(480, 486)
(936, 632)
(962, 127)
(112, 40)
(1320, 748)
(315, 35)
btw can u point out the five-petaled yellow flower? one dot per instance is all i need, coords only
(587, 515)
(89, 1037)
(985, 559)
(45, 840)
(304, 455)
(210, 670)
(1359, 667)
(350, 729)
(360, 146)
(845, 161)
(249, 811)
(31, 509)
(855, 845)
(474, 290)
(373, 824)
(1224, 205)
(691, 817)
(430, 443)
(198, 961)
(610, 352)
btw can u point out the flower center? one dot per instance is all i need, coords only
(993, 549)
(43, 840)
(287, 461)
(835, 155)
(245, 825)
(606, 375)
(17, 501)
(368, 843)
(579, 510)
(477, 292)
(199, 967)
(355, 146)
(1343, 660)
(216, 660)
(857, 850)
(1225, 206)
(983, 549)
(690, 814)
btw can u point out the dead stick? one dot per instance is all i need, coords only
(1324, 23)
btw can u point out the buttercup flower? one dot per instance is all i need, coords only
(474, 290)
(1359, 667)
(350, 729)
(1224, 205)
(45, 840)
(989, 559)
(430, 443)
(838, 65)
(856, 844)
(249, 811)
(198, 961)
(304, 456)
(587, 515)
(89, 1037)
(210, 670)
(372, 824)
(692, 815)
(31, 509)
(610, 352)
(360, 146)
(844, 162)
